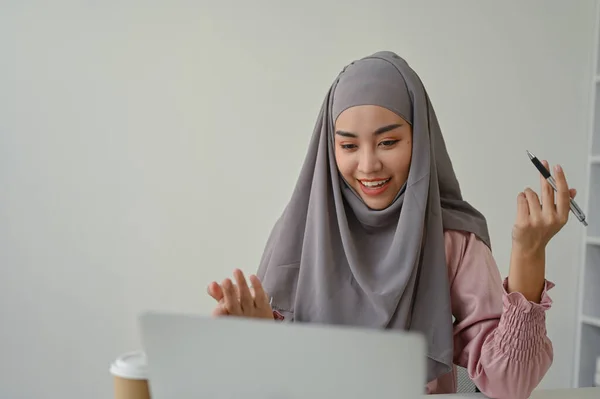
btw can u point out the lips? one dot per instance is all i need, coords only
(374, 187)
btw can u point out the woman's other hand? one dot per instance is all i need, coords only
(239, 299)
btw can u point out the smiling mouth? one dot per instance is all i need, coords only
(374, 183)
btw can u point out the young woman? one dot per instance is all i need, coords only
(377, 234)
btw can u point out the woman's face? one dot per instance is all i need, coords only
(373, 149)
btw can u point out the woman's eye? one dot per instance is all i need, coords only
(348, 146)
(388, 143)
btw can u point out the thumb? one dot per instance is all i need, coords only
(219, 310)
(215, 291)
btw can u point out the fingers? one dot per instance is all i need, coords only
(547, 193)
(572, 192)
(562, 195)
(240, 299)
(522, 209)
(533, 203)
(246, 300)
(232, 304)
(261, 299)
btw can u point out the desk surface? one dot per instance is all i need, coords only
(576, 393)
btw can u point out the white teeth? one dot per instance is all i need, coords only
(374, 183)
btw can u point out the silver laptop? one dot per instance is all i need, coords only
(195, 357)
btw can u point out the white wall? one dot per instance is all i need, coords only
(135, 144)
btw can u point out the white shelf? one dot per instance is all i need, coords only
(590, 351)
(595, 127)
(593, 212)
(591, 286)
(591, 321)
(587, 345)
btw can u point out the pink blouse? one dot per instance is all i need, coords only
(500, 338)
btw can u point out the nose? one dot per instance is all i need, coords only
(368, 162)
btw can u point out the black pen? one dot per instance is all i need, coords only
(573, 205)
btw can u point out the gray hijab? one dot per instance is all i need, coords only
(330, 259)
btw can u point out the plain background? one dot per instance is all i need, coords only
(146, 149)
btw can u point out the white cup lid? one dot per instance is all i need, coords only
(131, 365)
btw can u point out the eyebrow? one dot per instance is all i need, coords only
(381, 130)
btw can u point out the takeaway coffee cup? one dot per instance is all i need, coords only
(130, 376)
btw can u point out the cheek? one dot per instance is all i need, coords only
(399, 161)
(345, 163)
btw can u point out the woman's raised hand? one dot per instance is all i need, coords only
(239, 299)
(539, 220)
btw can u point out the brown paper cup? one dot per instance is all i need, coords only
(130, 376)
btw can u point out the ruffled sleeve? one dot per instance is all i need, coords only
(499, 337)
(521, 332)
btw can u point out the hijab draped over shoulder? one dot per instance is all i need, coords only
(330, 259)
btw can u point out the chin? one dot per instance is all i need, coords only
(377, 205)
